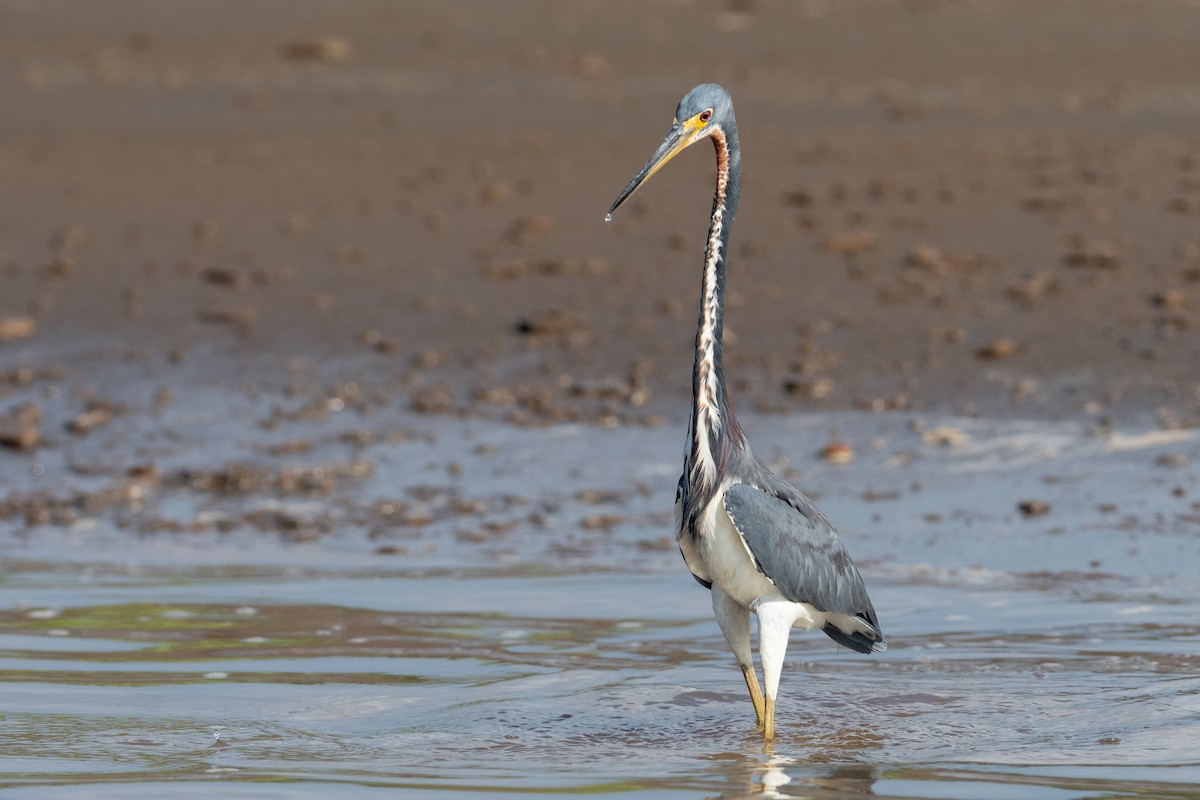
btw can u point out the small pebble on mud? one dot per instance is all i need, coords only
(930, 259)
(242, 318)
(494, 193)
(96, 415)
(597, 497)
(325, 51)
(220, 276)
(525, 229)
(808, 388)
(837, 453)
(945, 436)
(997, 350)
(16, 327)
(432, 400)
(589, 65)
(69, 239)
(552, 320)
(1033, 508)
(1172, 460)
(61, 267)
(1169, 298)
(601, 522)
(1033, 290)
(19, 430)
(851, 243)
(1091, 255)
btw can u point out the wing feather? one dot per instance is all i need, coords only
(794, 545)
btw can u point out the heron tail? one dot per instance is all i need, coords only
(858, 641)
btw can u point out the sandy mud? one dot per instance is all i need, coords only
(338, 432)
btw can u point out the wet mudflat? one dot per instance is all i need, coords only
(338, 434)
(485, 609)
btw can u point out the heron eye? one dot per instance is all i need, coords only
(706, 115)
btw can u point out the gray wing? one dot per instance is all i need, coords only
(796, 547)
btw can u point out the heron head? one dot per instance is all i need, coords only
(701, 112)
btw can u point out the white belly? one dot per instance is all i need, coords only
(720, 556)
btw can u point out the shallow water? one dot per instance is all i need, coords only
(480, 610)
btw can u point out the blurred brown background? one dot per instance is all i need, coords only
(989, 206)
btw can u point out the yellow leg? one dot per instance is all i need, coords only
(756, 696)
(769, 723)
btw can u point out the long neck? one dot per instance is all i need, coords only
(713, 423)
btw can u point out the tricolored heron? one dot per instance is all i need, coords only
(756, 542)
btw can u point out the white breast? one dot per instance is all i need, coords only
(729, 560)
(720, 556)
